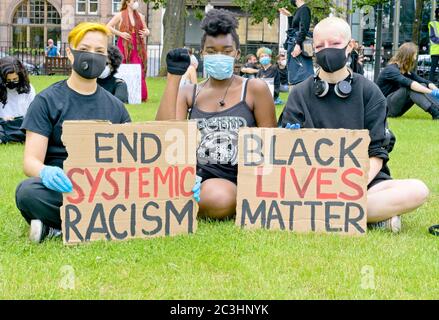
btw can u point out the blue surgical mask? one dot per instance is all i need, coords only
(265, 61)
(219, 66)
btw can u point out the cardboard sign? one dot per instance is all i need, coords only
(303, 180)
(132, 75)
(270, 84)
(129, 181)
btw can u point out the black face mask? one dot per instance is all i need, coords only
(332, 59)
(12, 84)
(88, 65)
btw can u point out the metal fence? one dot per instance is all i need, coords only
(35, 61)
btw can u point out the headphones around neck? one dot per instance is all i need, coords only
(342, 89)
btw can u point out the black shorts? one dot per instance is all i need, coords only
(380, 177)
(206, 174)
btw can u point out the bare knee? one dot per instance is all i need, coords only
(218, 199)
(419, 191)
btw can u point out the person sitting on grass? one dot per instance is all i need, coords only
(250, 68)
(338, 98)
(404, 88)
(116, 86)
(39, 198)
(16, 94)
(221, 106)
(269, 71)
(283, 72)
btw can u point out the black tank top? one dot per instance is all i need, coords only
(218, 150)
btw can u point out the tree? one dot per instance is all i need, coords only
(418, 21)
(174, 25)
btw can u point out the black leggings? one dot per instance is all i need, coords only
(35, 201)
(400, 101)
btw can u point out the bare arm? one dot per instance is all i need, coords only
(114, 22)
(249, 70)
(167, 108)
(264, 109)
(34, 153)
(376, 165)
(177, 62)
(416, 86)
(145, 32)
(193, 75)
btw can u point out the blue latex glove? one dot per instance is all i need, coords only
(197, 188)
(435, 93)
(294, 126)
(55, 179)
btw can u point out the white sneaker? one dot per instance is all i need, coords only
(393, 224)
(39, 232)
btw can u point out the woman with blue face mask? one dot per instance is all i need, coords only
(221, 105)
(269, 71)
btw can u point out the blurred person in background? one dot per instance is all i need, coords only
(116, 86)
(16, 94)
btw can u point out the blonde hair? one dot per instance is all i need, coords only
(78, 32)
(336, 24)
(404, 58)
(264, 50)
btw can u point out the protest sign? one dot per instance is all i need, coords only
(129, 181)
(270, 84)
(303, 180)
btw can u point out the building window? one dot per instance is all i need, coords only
(81, 6)
(93, 6)
(87, 7)
(34, 22)
(117, 4)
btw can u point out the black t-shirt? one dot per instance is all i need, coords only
(117, 87)
(271, 72)
(59, 103)
(391, 79)
(365, 108)
(283, 75)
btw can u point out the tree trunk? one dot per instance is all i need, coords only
(174, 25)
(418, 21)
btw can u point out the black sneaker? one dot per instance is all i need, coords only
(434, 111)
(40, 232)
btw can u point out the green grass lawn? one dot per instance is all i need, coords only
(221, 261)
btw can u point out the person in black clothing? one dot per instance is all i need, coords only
(221, 106)
(356, 58)
(433, 27)
(269, 72)
(117, 87)
(363, 108)
(39, 198)
(283, 72)
(250, 68)
(299, 67)
(404, 88)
